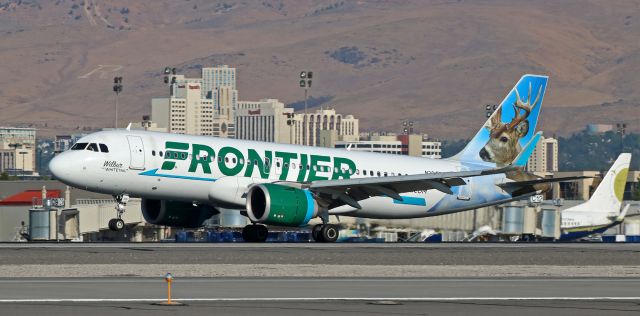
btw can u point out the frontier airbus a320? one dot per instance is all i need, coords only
(182, 179)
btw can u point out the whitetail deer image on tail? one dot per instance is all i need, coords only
(504, 138)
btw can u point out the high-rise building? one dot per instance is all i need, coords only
(545, 156)
(199, 106)
(18, 150)
(390, 143)
(266, 120)
(216, 77)
(307, 128)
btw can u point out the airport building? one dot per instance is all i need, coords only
(18, 151)
(323, 128)
(544, 158)
(390, 143)
(267, 120)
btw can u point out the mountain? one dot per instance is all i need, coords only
(434, 62)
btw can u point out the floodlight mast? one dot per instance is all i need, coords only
(117, 88)
(305, 82)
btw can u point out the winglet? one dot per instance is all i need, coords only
(523, 157)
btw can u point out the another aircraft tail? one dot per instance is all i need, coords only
(608, 195)
(510, 127)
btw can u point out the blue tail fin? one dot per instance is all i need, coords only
(510, 127)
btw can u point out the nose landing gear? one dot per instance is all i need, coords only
(117, 224)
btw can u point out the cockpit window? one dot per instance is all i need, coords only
(79, 146)
(103, 148)
(93, 147)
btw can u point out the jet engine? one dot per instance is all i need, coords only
(280, 205)
(175, 214)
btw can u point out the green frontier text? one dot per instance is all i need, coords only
(232, 162)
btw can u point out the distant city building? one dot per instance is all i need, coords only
(390, 143)
(199, 106)
(544, 157)
(64, 142)
(18, 150)
(308, 128)
(267, 120)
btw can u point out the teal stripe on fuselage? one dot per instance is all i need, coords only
(409, 200)
(153, 173)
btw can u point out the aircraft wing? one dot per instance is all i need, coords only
(349, 191)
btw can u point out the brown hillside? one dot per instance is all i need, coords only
(436, 62)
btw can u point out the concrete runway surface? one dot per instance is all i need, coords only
(345, 296)
(340, 279)
(570, 254)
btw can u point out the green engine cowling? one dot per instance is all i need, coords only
(280, 205)
(175, 214)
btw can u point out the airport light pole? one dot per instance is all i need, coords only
(407, 127)
(305, 82)
(621, 128)
(489, 109)
(117, 88)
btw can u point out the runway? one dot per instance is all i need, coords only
(315, 289)
(570, 254)
(345, 296)
(341, 279)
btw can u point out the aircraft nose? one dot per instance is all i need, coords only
(58, 167)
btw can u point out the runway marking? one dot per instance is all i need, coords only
(289, 299)
(306, 280)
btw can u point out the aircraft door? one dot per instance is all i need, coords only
(136, 151)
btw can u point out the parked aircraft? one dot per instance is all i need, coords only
(602, 210)
(182, 178)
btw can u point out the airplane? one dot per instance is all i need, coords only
(602, 210)
(182, 179)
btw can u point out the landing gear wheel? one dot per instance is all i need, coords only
(255, 233)
(329, 233)
(116, 224)
(316, 233)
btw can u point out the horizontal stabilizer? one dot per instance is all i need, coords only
(519, 184)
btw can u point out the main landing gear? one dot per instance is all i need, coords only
(255, 233)
(325, 233)
(117, 224)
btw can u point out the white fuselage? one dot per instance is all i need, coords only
(219, 171)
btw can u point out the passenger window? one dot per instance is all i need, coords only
(103, 148)
(160, 153)
(153, 153)
(79, 146)
(385, 174)
(93, 147)
(371, 173)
